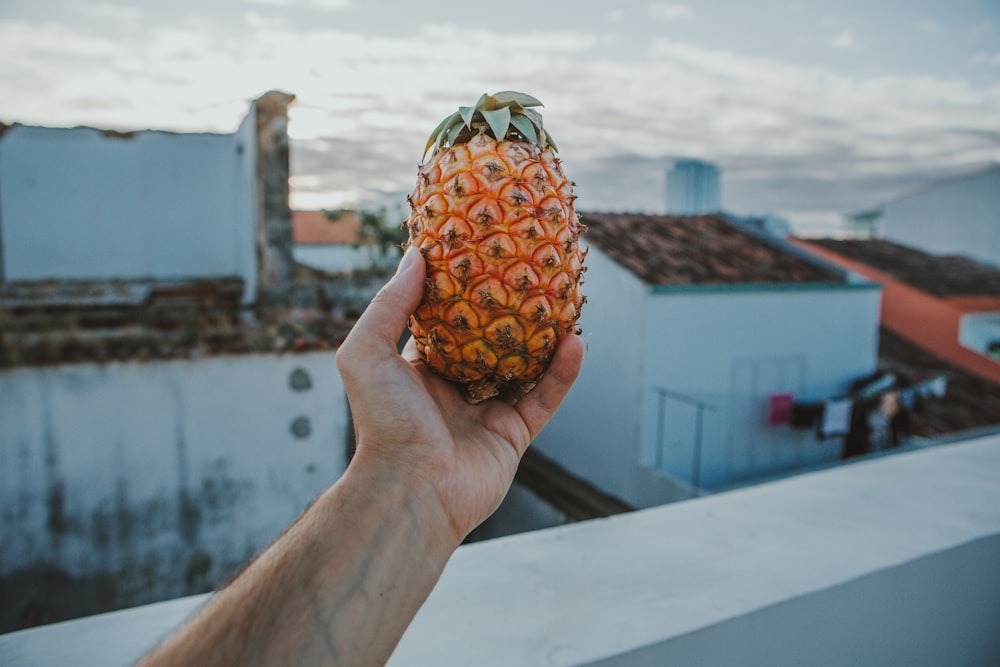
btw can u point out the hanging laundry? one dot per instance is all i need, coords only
(938, 386)
(908, 398)
(880, 434)
(805, 415)
(836, 418)
(889, 404)
(781, 409)
(876, 385)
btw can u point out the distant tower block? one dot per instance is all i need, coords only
(693, 188)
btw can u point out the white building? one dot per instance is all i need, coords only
(692, 326)
(693, 188)
(335, 243)
(959, 216)
(89, 204)
(160, 419)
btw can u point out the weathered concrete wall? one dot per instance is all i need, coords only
(273, 221)
(84, 204)
(129, 483)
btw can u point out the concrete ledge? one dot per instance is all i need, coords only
(889, 561)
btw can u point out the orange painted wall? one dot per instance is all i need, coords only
(925, 320)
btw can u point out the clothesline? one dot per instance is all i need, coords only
(881, 399)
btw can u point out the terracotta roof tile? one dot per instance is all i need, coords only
(314, 227)
(940, 275)
(697, 250)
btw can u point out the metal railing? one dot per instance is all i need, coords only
(701, 407)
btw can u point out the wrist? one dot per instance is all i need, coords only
(399, 486)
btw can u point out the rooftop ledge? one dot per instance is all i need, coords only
(702, 288)
(889, 561)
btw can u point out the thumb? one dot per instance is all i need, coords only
(385, 317)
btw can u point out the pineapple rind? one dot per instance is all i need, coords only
(495, 222)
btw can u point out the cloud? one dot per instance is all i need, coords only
(327, 5)
(126, 17)
(668, 11)
(793, 139)
(988, 59)
(845, 41)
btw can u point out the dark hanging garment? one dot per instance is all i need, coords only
(805, 415)
(856, 443)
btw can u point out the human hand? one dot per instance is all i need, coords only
(416, 426)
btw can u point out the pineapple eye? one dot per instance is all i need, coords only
(436, 205)
(498, 246)
(521, 277)
(494, 170)
(464, 184)
(505, 332)
(518, 198)
(462, 316)
(441, 340)
(490, 294)
(487, 299)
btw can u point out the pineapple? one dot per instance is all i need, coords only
(492, 214)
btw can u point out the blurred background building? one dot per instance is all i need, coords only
(693, 188)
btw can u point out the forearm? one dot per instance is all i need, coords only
(339, 588)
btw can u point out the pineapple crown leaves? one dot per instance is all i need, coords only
(497, 113)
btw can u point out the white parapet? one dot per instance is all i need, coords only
(892, 561)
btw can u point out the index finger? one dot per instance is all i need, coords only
(538, 405)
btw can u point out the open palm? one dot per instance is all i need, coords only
(419, 424)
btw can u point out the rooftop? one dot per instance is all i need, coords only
(943, 276)
(56, 321)
(971, 401)
(893, 560)
(319, 227)
(698, 250)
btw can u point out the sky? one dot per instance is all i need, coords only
(811, 109)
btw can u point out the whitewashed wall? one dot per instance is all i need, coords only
(128, 483)
(595, 434)
(977, 331)
(732, 349)
(958, 217)
(343, 257)
(84, 204)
